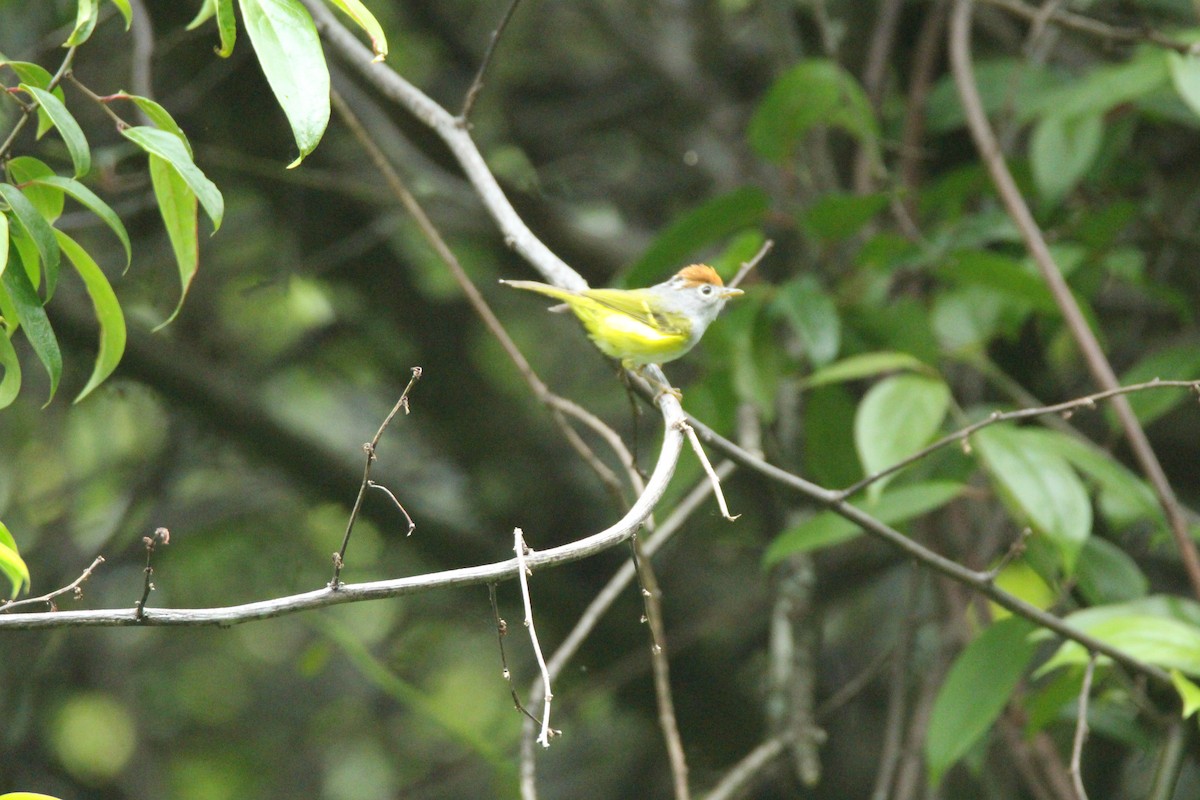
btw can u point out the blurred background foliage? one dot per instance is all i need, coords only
(633, 138)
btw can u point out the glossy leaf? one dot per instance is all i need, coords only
(159, 116)
(813, 93)
(108, 313)
(94, 204)
(36, 75)
(24, 171)
(1189, 693)
(893, 507)
(813, 316)
(1039, 487)
(126, 11)
(1185, 75)
(896, 418)
(177, 204)
(976, 689)
(863, 366)
(86, 14)
(1167, 643)
(712, 221)
(68, 128)
(10, 379)
(289, 51)
(370, 26)
(36, 228)
(11, 563)
(35, 323)
(1062, 151)
(171, 149)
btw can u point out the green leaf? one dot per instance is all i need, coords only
(94, 204)
(863, 366)
(370, 26)
(1103, 88)
(11, 563)
(126, 11)
(37, 229)
(896, 418)
(1039, 487)
(1167, 643)
(1180, 363)
(177, 204)
(1106, 574)
(1189, 693)
(10, 383)
(893, 507)
(977, 688)
(108, 313)
(226, 28)
(68, 128)
(159, 116)
(1185, 75)
(170, 148)
(36, 75)
(36, 325)
(86, 14)
(714, 220)
(814, 93)
(813, 316)
(24, 170)
(838, 216)
(207, 9)
(1062, 151)
(289, 51)
(999, 273)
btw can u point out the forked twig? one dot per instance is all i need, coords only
(339, 558)
(708, 469)
(75, 586)
(523, 572)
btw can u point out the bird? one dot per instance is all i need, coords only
(646, 326)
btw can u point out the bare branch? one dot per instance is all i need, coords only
(738, 779)
(75, 587)
(1081, 729)
(1092, 27)
(523, 572)
(477, 84)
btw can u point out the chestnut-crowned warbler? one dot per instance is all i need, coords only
(646, 326)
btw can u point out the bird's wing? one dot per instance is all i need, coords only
(635, 305)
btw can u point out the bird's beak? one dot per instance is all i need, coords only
(729, 294)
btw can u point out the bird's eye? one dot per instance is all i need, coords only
(706, 290)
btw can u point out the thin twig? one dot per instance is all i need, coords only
(1093, 354)
(1081, 730)
(160, 536)
(75, 587)
(660, 666)
(501, 632)
(477, 84)
(339, 558)
(412, 526)
(712, 475)
(1066, 408)
(27, 109)
(752, 263)
(738, 778)
(1092, 27)
(523, 572)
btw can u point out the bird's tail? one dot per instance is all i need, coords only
(541, 288)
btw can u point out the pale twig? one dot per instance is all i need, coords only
(738, 778)
(712, 475)
(523, 573)
(339, 558)
(752, 263)
(412, 526)
(501, 632)
(477, 84)
(75, 587)
(1093, 354)
(1081, 729)
(660, 666)
(960, 436)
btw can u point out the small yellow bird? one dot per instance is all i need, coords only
(646, 326)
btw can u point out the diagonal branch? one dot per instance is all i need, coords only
(1102, 371)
